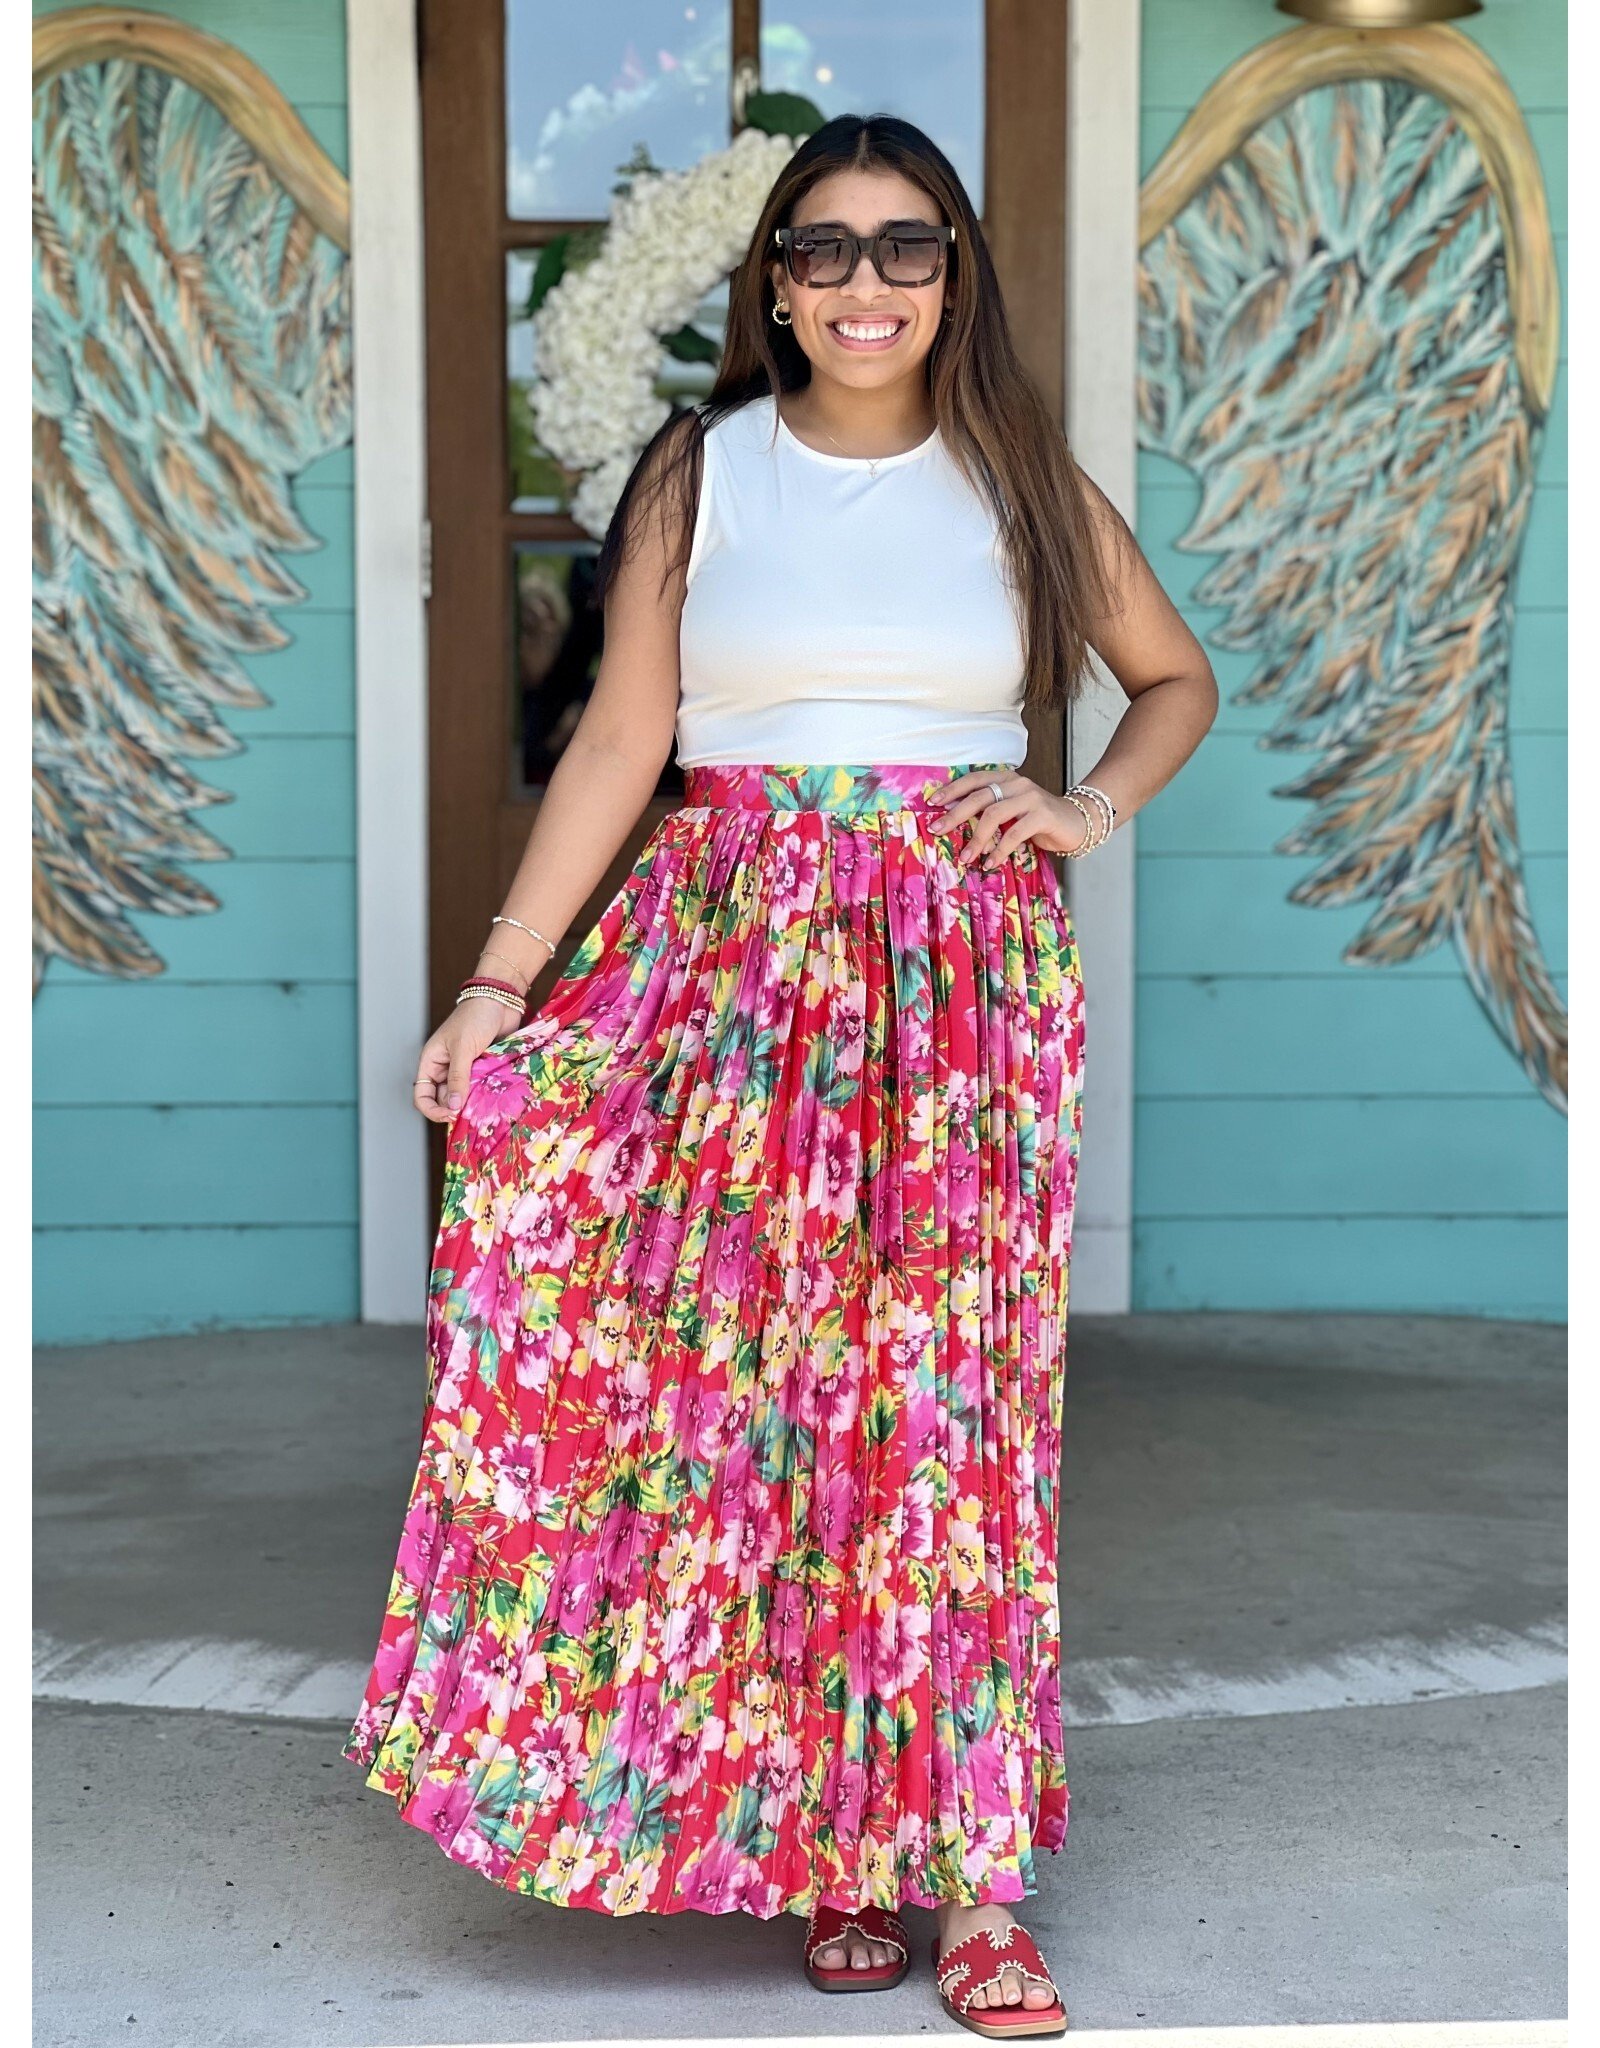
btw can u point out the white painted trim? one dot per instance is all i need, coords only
(1102, 276)
(391, 652)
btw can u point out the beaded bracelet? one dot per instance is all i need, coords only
(528, 928)
(1099, 797)
(496, 991)
(1095, 790)
(1091, 827)
(1098, 824)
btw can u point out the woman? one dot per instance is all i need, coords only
(728, 1579)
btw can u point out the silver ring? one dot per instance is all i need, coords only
(999, 793)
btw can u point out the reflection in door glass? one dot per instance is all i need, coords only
(923, 62)
(556, 641)
(556, 650)
(538, 483)
(586, 85)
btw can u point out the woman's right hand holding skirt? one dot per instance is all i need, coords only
(445, 1068)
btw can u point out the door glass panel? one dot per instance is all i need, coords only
(537, 482)
(924, 62)
(586, 85)
(555, 641)
(556, 638)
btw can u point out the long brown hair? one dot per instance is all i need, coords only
(991, 414)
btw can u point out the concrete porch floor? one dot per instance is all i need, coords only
(1315, 1646)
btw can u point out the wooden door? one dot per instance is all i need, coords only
(512, 91)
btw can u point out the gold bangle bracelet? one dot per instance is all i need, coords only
(1101, 802)
(489, 953)
(1091, 827)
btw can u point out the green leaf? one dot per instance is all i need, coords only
(687, 344)
(654, 1816)
(741, 1817)
(598, 1795)
(547, 271)
(661, 1484)
(639, 165)
(502, 1599)
(782, 113)
(881, 1417)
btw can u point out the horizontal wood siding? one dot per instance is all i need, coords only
(1310, 1133)
(195, 1134)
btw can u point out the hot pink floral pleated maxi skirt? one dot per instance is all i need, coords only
(728, 1579)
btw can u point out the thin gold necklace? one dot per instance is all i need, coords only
(871, 461)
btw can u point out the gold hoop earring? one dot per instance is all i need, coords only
(781, 306)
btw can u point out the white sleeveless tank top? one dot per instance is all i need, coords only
(837, 614)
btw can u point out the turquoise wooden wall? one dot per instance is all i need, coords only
(1311, 1135)
(195, 1134)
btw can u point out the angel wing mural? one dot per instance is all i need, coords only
(1348, 332)
(191, 353)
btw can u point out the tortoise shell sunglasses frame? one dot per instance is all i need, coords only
(873, 245)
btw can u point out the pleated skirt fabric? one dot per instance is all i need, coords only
(728, 1578)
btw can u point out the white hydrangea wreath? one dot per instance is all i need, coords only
(669, 239)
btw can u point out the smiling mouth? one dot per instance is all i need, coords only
(868, 334)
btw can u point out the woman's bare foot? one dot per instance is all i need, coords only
(855, 1948)
(957, 1922)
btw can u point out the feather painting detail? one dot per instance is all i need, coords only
(191, 349)
(1347, 331)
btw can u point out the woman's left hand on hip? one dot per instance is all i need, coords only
(1022, 811)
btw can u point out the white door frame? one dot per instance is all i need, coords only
(1102, 335)
(391, 653)
(391, 633)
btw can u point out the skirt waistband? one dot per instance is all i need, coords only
(850, 787)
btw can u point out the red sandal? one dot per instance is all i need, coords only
(976, 1964)
(832, 1923)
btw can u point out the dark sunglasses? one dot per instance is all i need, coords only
(907, 253)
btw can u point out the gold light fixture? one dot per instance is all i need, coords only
(1378, 13)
